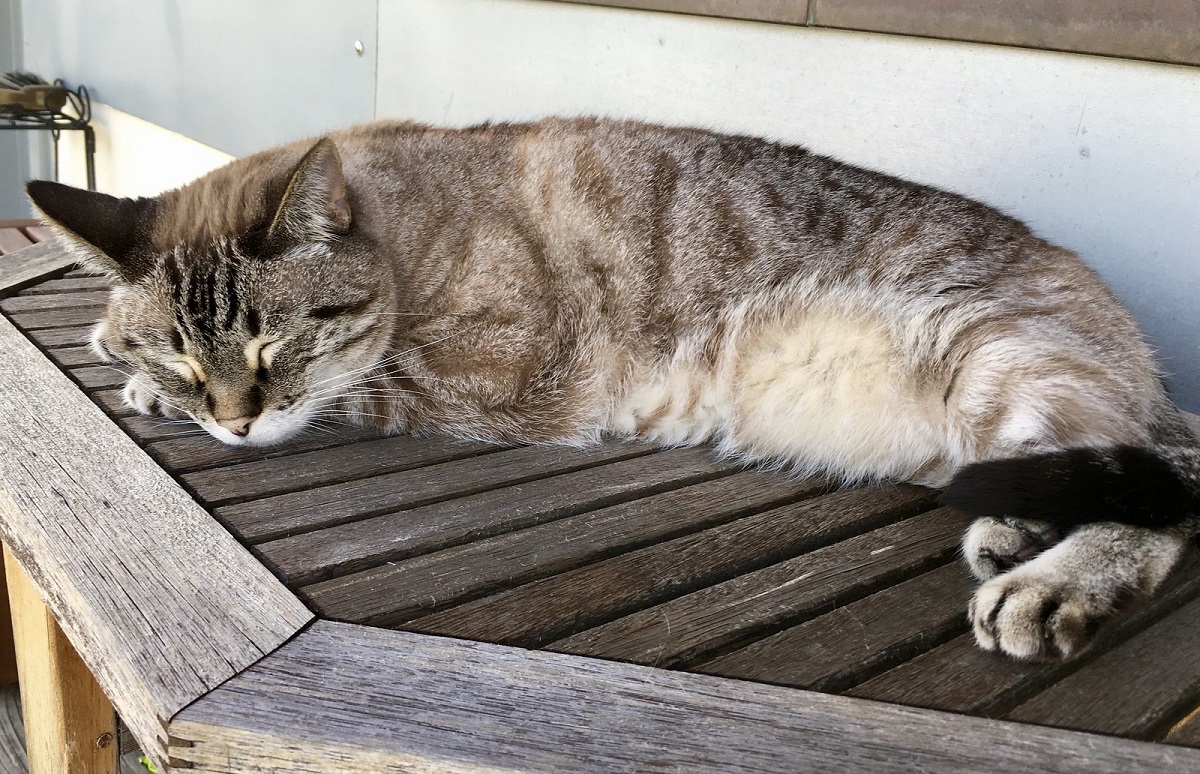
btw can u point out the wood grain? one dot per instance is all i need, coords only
(564, 604)
(325, 467)
(12, 240)
(31, 265)
(959, 677)
(34, 303)
(69, 723)
(69, 357)
(1163, 662)
(395, 592)
(161, 603)
(298, 512)
(721, 617)
(306, 559)
(1186, 731)
(67, 285)
(195, 452)
(57, 318)
(833, 652)
(354, 699)
(75, 336)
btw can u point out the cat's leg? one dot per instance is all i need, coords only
(1046, 587)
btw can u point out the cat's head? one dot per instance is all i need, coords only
(247, 300)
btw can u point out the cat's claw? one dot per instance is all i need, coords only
(1028, 616)
(996, 545)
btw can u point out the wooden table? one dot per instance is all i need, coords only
(357, 603)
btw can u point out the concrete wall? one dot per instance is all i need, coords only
(1098, 154)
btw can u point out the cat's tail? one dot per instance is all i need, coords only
(1153, 487)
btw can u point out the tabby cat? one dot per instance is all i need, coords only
(555, 281)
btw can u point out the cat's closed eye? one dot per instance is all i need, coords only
(337, 310)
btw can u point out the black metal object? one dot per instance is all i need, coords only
(55, 116)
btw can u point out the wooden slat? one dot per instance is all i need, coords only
(35, 302)
(67, 717)
(698, 625)
(1140, 688)
(82, 271)
(75, 336)
(69, 357)
(354, 699)
(146, 430)
(389, 595)
(294, 513)
(67, 285)
(834, 651)
(326, 467)
(316, 556)
(58, 318)
(113, 403)
(31, 265)
(564, 604)
(99, 377)
(161, 603)
(39, 233)
(959, 677)
(202, 451)
(12, 240)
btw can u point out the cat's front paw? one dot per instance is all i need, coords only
(996, 545)
(147, 399)
(1030, 615)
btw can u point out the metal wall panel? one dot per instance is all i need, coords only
(1097, 154)
(239, 75)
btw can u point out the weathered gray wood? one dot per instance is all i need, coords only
(695, 626)
(297, 512)
(569, 602)
(195, 452)
(353, 699)
(100, 377)
(390, 594)
(316, 556)
(834, 651)
(12, 240)
(57, 318)
(113, 402)
(1140, 688)
(325, 467)
(959, 677)
(67, 285)
(34, 303)
(70, 357)
(32, 264)
(75, 336)
(160, 602)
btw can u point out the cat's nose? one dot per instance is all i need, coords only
(239, 427)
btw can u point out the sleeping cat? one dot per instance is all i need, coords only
(555, 281)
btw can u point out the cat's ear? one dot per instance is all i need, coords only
(315, 207)
(101, 230)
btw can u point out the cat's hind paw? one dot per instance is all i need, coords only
(996, 545)
(1029, 616)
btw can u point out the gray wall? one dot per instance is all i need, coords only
(238, 75)
(14, 156)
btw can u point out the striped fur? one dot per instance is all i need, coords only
(555, 281)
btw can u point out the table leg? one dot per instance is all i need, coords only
(8, 656)
(70, 725)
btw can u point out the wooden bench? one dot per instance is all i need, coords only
(356, 603)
